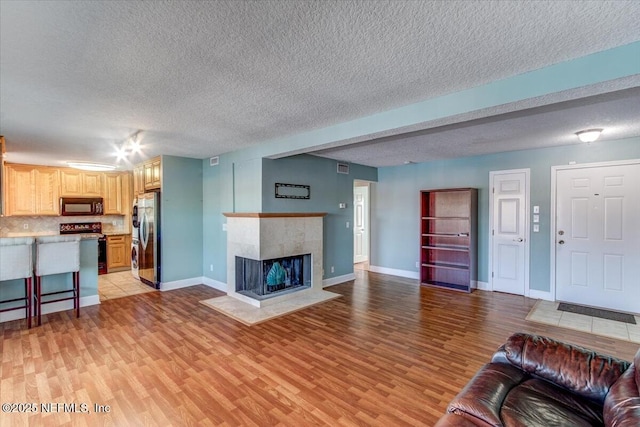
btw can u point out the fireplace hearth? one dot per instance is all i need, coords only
(268, 278)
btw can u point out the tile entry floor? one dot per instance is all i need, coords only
(120, 284)
(547, 312)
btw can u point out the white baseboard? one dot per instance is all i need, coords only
(178, 284)
(338, 279)
(54, 307)
(545, 295)
(482, 286)
(395, 272)
(215, 284)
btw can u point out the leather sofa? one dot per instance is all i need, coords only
(538, 381)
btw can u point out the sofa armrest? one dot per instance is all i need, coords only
(481, 399)
(575, 368)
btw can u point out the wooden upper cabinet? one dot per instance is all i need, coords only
(152, 174)
(113, 194)
(80, 183)
(32, 190)
(117, 193)
(92, 184)
(138, 180)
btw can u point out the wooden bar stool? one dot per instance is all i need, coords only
(57, 255)
(16, 262)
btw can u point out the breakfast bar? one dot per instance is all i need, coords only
(14, 289)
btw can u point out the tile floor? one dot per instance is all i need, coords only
(547, 312)
(120, 284)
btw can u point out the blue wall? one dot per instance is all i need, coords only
(328, 190)
(237, 184)
(395, 200)
(181, 218)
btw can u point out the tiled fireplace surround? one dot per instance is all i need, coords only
(263, 236)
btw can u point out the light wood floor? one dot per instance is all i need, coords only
(388, 353)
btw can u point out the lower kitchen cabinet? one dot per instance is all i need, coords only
(118, 250)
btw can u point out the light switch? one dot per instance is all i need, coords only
(347, 224)
(536, 228)
(224, 227)
(536, 218)
(536, 209)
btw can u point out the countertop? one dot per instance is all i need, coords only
(83, 236)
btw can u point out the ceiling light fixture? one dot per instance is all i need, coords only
(129, 147)
(89, 166)
(589, 135)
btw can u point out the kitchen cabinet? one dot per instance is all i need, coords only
(80, 183)
(118, 250)
(138, 180)
(32, 190)
(117, 193)
(2, 151)
(152, 174)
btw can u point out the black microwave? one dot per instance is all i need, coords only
(74, 206)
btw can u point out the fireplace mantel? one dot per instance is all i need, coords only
(273, 214)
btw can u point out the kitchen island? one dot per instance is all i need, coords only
(10, 289)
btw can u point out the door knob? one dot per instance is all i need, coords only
(561, 232)
(561, 242)
(519, 239)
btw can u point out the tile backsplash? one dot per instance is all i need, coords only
(51, 224)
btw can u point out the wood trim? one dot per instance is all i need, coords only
(273, 214)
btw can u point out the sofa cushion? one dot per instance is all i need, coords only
(537, 402)
(575, 368)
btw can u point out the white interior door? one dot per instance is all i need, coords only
(360, 224)
(510, 240)
(597, 236)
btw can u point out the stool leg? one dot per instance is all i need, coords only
(76, 277)
(39, 297)
(28, 292)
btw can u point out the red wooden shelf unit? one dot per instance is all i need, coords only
(448, 238)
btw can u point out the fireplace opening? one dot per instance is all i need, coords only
(267, 278)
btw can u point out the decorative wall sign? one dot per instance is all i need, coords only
(292, 191)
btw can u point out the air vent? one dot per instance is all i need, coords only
(343, 168)
(214, 161)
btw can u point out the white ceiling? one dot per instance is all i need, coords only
(206, 78)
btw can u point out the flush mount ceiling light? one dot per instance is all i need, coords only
(589, 135)
(89, 166)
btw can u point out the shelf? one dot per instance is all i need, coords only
(445, 234)
(453, 286)
(447, 266)
(447, 248)
(464, 218)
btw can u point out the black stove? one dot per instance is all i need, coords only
(93, 228)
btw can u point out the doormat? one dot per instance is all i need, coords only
(597, 312)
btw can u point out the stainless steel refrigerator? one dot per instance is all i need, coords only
(149, 242)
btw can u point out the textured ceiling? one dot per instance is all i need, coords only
(205, 78)
(547, 126)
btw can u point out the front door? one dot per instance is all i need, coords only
(509, 231)
(597, 236)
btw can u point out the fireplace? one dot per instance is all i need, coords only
(287, 246)
(272, 277)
